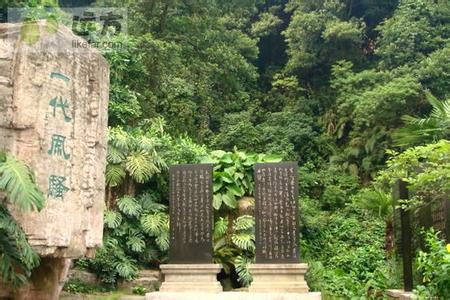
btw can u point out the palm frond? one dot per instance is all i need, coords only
(17, 181)
(141, 166)
(112, 219)
(115, 155)
(220, 227)
(114, 175)
(136, 242)
(244, 241)
(241, 264)
(17, 258)
(432, 128)
(155, 223)
(126, 267)
(129, 206)
(163, 241)
(119, 139)
(244, 222)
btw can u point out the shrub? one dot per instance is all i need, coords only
(434, 266)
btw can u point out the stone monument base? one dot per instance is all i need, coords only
(190, 278)
(232, 296)
(399, 295)
(280, 278)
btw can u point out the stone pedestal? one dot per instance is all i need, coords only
(190, 278)
(399, 295)
(232, 296)
(287, 278)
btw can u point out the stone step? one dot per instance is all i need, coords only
(132, 297)
(232, 296)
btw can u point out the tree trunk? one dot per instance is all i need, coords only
(389, 238)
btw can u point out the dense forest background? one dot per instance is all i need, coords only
(337, 85)
(354, 90)
(325, 83)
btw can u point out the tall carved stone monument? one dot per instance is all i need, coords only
(277, 267)
(53, 115)
(191, 221)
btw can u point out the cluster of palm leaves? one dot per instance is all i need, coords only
(18, 189)
(136, 220)
(432, 128)
(136, 224)
(136, 234)
(234, 246)
(234, 230)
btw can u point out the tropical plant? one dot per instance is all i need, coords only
(434, 265)
(381, 205)
(234, 237)
(18, 186)
(132, 157)
(426, 169)
(430, 129)
(136, 234)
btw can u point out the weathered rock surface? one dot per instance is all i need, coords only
(53, 115)
(83, 276)
(150, 279)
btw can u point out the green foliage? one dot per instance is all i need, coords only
(416, 29)
(319, 34)
(133, 153)
(135, 234)
(426, 169)
(76, 286)
(434, 266)
(234, 236)
(17, 184)
(322, 82)
(425, 130)
(350, 260)
(233, 176)
(139, 290)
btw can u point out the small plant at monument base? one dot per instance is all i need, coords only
(139, 290)
(76, 286)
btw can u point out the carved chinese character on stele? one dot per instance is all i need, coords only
(191, 214)
(276, 212)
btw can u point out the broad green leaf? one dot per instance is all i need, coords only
(217, 185)
(272, 158)
(218, 153)
(217, 201)
(230, 171)
(235, 190)
(226, 158)
(229, 200)
(227, 178)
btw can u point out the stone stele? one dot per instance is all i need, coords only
(53, 115)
